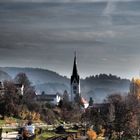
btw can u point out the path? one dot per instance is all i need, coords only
(9, 136)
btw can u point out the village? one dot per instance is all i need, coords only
(69, 70)
(67, 116)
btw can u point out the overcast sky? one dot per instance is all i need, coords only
(106, 35)
(65, 1)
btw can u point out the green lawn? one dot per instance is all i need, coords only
(71, 130)
(2, 122)
(46, 135)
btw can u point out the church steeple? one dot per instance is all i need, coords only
(75, 74)
(75, 82)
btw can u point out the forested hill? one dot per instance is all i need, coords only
(102, 85)
(36, 75)
(98, 86)
(42, 79)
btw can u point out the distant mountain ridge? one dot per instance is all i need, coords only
(36, 75)
(98, 87)
(102, 85)
(43, 80)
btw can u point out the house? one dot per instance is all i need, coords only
(19, 88)
(84, 102)
(51, 98)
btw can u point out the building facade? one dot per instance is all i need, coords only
(49, 98)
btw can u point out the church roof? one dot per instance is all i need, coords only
(75, 72)
(75, 75)
(84, 102)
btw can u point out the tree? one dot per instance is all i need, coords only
(29, 91)
(133, 114)
(126, 113)
(117, 101)
(135, 87)
(90, 101)
(65, 97)
(22, 79)
(115, 98)
(10, 100)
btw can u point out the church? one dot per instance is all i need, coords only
(75, 86)
(75, 83)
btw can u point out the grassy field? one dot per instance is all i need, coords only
(2, 122)
(46, 135)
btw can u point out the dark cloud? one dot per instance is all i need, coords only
(105, 35)
(65, 1)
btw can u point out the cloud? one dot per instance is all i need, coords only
(109, 8)
(77, 36)
(65, 1)
(46, 36)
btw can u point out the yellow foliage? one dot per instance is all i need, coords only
(135, 87)
(9, 120)
(32, 115)
(91, 134)
(137, 82)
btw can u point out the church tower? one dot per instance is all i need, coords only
(75, 83)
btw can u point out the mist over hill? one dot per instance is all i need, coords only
(43, 80)
(4, 76)
(98, 86)
(36, 75)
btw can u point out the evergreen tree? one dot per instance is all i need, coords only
(91, 101)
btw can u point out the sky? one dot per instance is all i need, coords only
(45, 33)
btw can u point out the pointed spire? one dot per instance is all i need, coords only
(75, 54)
(75, 72)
